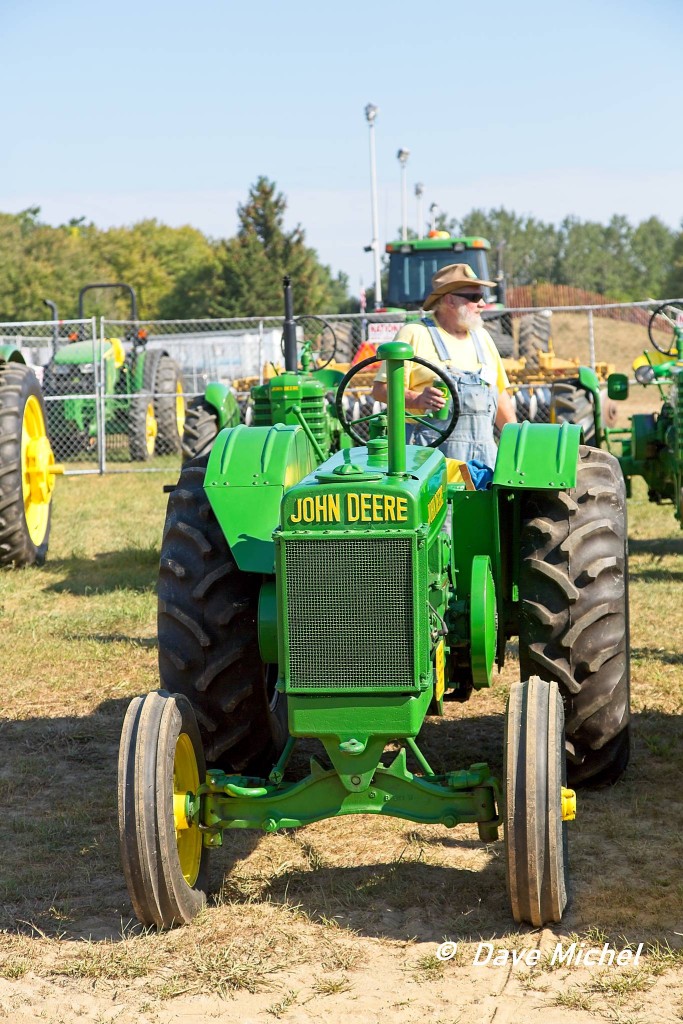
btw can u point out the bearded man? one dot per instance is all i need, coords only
(456, 340)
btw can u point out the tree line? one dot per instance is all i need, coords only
(618, 260)
(177, 273)
(180, 273)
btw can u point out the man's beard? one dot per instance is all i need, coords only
(471, 319)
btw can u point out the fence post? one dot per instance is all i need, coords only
(99, 396)
(591, 340)
(260, 351)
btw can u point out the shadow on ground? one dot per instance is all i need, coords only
(129, 569)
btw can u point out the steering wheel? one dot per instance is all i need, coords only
(349, 425)
(664, 318)
(317, 345)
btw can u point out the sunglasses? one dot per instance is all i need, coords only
(469, 296)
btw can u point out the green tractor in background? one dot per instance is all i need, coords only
(143, 387)
(27, 464)
(652, 445)
(262, 644)
(300, 395)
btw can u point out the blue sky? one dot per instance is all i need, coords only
(171, 110)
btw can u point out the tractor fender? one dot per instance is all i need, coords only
(249, 470)
(10, 354)
(542, 456)
(221, 398)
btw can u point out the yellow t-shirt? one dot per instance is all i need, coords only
(462, 352)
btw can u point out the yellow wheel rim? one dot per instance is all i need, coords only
(37, 471)
(188, 836)
(179, 408)
(151, 428)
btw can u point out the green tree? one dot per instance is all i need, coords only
(253, 263)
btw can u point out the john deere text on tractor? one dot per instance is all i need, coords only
(262, 643)
(142, 387)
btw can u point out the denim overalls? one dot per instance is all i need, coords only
(478, 395)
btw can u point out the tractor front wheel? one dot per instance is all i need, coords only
(26, 468)
(161, 766)
(574, 611)
(534, 832)
(208, 635)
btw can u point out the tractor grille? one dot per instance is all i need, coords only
(350, 614)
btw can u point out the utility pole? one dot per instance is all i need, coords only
(419, 192)
(371, 112)
(402, 157)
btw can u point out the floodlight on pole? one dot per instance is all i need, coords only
(402, 157)
(419, 193)
(371, 112)
(433, 213)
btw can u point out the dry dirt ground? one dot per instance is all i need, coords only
(341, 920)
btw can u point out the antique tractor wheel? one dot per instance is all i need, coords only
(534, 832)
(26, 468)
(208, 635)
(169, 403)
(201, 428)
(161, 766)
(574, 614)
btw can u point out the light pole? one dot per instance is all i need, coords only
(371, 112)
(433, 211)
(419, 192)
(402, 157)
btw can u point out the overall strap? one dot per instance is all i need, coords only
(439, 344)
(478, 348)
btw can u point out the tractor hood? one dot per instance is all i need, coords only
(79, 353)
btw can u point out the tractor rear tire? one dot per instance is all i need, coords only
(574, 626)
(208, 635)
(570, 403)
(164, 860)
(505, 343)
(169, 411)
(534, 832)
(24, 517)
(201, 428)
(534, 337)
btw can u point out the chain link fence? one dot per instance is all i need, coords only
(116, 394)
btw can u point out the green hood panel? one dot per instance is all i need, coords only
(249, 470)
(542, 456)
(79, 353)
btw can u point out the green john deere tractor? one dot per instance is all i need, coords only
(143, 391)
(27, 464)
(652, 445)
(261, 645)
